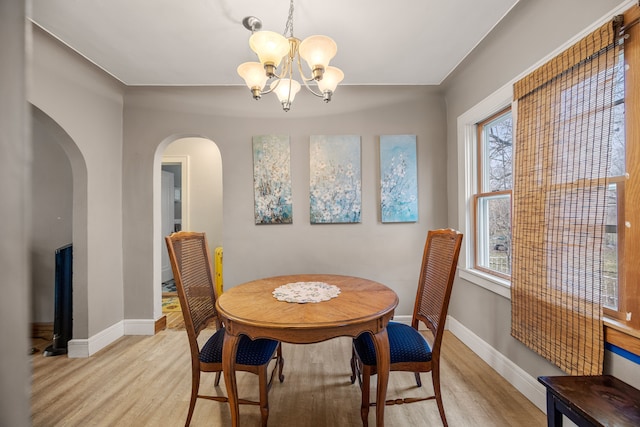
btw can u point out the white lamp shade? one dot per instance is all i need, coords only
(253, 74)
(269, 46)
(330, 79)
(317, 51)
(286, 89)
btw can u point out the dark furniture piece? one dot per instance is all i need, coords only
(63, 302)
(409, 349)
(191, 264)
(601, 400)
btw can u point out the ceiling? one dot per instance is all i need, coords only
(201, 42)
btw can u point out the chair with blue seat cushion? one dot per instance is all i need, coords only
(192, 272)
(410, 350)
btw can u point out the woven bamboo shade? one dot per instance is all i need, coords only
(562, 155)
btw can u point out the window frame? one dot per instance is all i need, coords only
(629, 221)
(467, 183)
(483, 194)
(623, 304)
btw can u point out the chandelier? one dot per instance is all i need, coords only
(273, 48)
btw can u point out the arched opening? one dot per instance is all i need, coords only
(59, 217)
(200, 198)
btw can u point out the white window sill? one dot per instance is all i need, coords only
(494, 284)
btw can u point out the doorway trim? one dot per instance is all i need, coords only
(184, 163)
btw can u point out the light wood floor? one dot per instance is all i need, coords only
(145, 381)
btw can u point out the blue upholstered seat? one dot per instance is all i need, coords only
(193, 274)
(409, 350)
(254, 353)
(405, 343)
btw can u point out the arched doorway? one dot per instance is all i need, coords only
(59, 176)
(201, 196)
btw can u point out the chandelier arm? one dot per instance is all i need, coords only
(287, 70)
(306, 80)
(271, 89)
(277, 78)
(310, 89)
(289, 61)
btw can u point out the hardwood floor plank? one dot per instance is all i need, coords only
(145, 381)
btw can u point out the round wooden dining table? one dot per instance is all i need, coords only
(362, 306)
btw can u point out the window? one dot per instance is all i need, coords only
(612, 269)
(492, 202)
(469, 164)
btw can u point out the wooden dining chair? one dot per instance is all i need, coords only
(191, 264)
(409, 349)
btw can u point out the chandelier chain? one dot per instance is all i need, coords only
(288, 29)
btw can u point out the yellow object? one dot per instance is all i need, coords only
(218, 267)
(170, 304)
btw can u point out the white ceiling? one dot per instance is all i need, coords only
(201, 42)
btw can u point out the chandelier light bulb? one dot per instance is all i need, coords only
(269, 46)
(330, 80)
(254, 77)
(318, 51)
(285, 90)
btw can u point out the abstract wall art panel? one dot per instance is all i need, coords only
(272, 179)
(335, 179)
(398, 178)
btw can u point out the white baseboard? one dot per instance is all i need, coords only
(78, 348)
(87, 347)
(521, 380)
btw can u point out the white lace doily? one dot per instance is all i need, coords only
(303, 292)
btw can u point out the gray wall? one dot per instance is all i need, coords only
(531, 31)
(15, 163)
(389, 253)
(82, 106)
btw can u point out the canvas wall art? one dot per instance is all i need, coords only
(272, 179)
(398, 178)
(335, 179)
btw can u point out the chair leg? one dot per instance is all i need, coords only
(217, 383)
(364, 408)
(435, 377)
(280, 362)
(418, 380)
(195, 387)
(264, 391)
(353, 365)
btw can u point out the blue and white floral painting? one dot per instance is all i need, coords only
(398, 178)
(272, 179)
(335, 189)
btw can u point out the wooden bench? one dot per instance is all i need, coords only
(601, 400)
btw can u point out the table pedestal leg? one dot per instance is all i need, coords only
(381, 342)
(229, 350)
